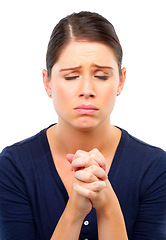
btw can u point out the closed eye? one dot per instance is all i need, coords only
(71, 78)
(102, 77)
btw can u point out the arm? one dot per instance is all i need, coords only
(110, 219)
(150, 223)
(16, 218)
(16, 214)
(151, 219)
(111, 224)
(79, 205)
(76, 210)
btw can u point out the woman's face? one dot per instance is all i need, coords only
(84, 84)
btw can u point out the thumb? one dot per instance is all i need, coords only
(70, 157)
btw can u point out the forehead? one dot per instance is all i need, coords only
(84, 52)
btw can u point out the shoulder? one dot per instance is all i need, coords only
(22, 156)
(24, 163)
(141, 159)
(142, 150)
(148, 162)
(23, 146)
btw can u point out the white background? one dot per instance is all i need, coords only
(25, 28)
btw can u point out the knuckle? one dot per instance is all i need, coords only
(89, 194)
(92, 155)
(89, 177)
(86, 160)
(78, 152)
(93, 168)
(95, 150)
(99, 185)
(77, 174)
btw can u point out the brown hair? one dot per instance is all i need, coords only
(82, 26)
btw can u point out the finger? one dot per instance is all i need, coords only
(85, 176)
(98, 157)
(96, 186)
(82, 191)
(88, 190)
(97, 171)
(82, 162)
(70, 157)
(91, 174)
(94, 157)
(80, 153)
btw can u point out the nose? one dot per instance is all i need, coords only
(87, 88)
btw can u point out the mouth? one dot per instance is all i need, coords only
(86, 109)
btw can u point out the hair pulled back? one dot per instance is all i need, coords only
(84, 25)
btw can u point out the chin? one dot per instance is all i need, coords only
(86, 125)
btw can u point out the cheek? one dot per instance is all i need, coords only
(61, 95)
(59, 100)
(109, 99)
(58, 91)
(110, 95)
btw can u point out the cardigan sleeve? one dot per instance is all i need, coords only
(16, 218)
(151, 219)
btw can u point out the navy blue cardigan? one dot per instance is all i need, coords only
(33, 197)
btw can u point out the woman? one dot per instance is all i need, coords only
(83, 178)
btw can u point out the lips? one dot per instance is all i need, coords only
(86, 109)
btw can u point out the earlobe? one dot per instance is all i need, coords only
(46, 82)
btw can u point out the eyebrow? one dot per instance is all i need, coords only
(70, 69)
(76, 68)
(102, 67)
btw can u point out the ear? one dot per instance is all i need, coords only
(122, 80)
(46, 82)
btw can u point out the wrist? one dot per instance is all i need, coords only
(72, 224)
(108, 201)
(73, 214)
(108, 210)
(111, 222)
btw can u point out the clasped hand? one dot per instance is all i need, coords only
(90, 178)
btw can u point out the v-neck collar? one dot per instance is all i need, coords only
(54, 172)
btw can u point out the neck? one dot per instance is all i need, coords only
(69, 139)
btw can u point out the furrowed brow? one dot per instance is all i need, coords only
(102, 67)
(70, 69)
(76, 68)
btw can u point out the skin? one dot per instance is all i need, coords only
(82, 145)
(85, 55)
